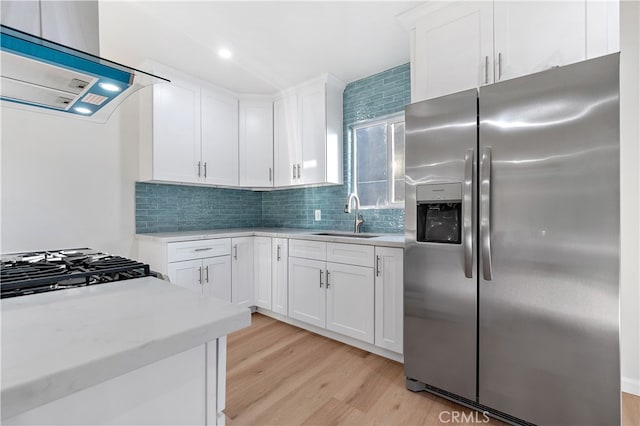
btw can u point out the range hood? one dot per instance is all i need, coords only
(45, 76)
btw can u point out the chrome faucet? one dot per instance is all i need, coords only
(357, 224)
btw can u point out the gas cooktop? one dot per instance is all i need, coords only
(36, 272)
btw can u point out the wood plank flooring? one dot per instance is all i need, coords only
(278, 374)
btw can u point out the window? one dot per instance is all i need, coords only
(378, 151)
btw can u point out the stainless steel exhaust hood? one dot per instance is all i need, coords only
(45, 76)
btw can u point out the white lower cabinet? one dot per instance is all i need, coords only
(217, 276)
(262, 271)
(354, 290)
(210, 276)
(335, 296)
(280, 276)
(307, 299)
(242, 273)
(389, 312)
(350, 295)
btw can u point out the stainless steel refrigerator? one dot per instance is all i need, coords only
(512, 246)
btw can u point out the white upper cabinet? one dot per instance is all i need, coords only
(202, 134)
(314, 134)
(193, 135)
(461, 45)
(454, 50)
(219, 138)
(308, 134)
(256, 143)
(286, 135)
(176, 132)
(535, 36)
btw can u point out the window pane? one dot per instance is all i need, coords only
(371, 151)
(398, 161)
(372, 193)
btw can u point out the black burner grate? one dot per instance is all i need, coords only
(28, 273)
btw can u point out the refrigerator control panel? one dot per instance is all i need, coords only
(439, 192)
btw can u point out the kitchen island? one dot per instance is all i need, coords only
(139, 351)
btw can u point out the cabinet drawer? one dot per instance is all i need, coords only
(351, 254)
(316, 250)
(187, 250)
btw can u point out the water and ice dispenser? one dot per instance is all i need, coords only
(439, 213)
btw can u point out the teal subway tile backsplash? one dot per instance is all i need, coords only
(164, 208)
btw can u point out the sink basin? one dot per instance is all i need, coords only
(346, 234)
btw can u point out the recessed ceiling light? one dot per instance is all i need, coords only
(109, 87)
(224, 53)
(83, 110)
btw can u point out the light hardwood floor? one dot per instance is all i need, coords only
(278, 374)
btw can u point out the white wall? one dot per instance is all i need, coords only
(630, 194)
(69, 183)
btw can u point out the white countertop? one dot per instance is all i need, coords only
(60, 342)
(386, 240)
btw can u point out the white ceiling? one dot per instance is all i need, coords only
(275, 44)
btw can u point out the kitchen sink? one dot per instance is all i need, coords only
(346, 234)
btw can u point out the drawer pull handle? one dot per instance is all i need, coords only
(278, 252)
(321, 272)
(328, 274)
(377, 266)
(200, 275)
(235, 251)
(204, 249)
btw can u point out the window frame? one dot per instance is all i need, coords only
(388, 120)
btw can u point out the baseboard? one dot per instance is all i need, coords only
(335, 336)
(630, 386)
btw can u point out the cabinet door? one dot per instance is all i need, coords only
(219, 139)
(280, 273)
(217, 277)
(286, 138)
(350, 295)
(242, 277)
(453, 50)
(389, 302)
(307, 298)
(187, 274)
(262, 269)
(314, 134)
(176, 132)
(534, 36)
(256, 143)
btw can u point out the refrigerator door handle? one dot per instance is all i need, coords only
(467, 221)
(485, 213)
